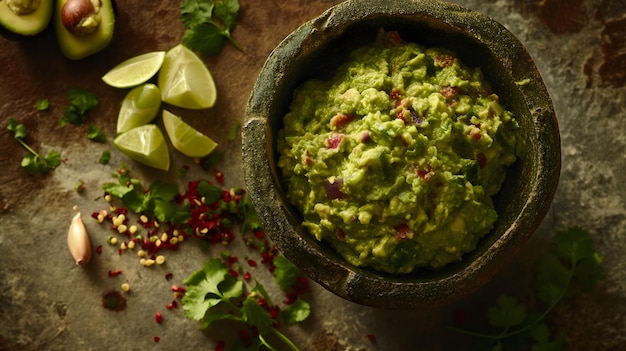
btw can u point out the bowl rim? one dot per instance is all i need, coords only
(361, 285)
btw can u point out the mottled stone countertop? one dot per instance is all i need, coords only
(49, 303)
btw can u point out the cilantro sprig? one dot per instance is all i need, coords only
(571, 265)
(213, 295)
(81, 101)
(208, 23)
(35, 162)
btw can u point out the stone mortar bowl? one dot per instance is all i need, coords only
(315, 50)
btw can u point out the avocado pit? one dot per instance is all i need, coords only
(81, 17)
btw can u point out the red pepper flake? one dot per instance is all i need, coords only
(156, 339)
(371, 337)
(115, 273)
(233, 273)
(169, 276)
(247, 276)
(219, 176)
(458, 317)
(252, 263)
(158, 317)
(220, 346)
(99, 249)
(172, 305)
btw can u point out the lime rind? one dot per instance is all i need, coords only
(145, 144)
(186, 139)
(135, 71)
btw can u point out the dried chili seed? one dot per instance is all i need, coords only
(158, 317)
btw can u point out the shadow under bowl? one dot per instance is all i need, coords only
(315, 50)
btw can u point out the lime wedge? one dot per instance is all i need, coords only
(185, 81)
(185, 138)
(145, 144)
(139, 107)
(134, 71)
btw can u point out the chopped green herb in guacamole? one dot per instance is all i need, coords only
(395, 159)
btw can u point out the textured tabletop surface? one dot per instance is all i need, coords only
(49, 303)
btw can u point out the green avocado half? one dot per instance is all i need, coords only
(28, 24)
(77, 46)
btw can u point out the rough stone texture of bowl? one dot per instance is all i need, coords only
(315, 50)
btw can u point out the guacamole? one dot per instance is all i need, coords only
(394, 160)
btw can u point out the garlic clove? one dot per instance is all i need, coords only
(78, 241)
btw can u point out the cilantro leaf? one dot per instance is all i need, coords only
(95, 134)
(105, 157)
(297, 312)
(42, 104)
(541, 335)
(33, 163)
(573, 245)
(286, 273)
(208, 23)
(81, 101)
(210, 287)
(206, 39)
(17, 129)
(507, 312)
(552, 279)
(210, 192)
(227, 11)
(589, 273)
(194, 12)
(254, 315)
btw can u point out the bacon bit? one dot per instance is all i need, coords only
(334, 140)
(445, 60)
(426, 174)
(115, 273)
(395, 94)
(340, 120)
(482, 160)
(475, 134)
(403, 232)
(307, 159)
(450, 92)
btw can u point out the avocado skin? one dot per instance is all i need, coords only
(26, 25)
(76, 47)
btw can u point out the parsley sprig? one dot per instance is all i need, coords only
(213, 295)
(572, 264)
(35, 162)
(208, 23)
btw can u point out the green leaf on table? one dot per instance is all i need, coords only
(296, 312)
(254, 315)
(286, 273)
(507, 312)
